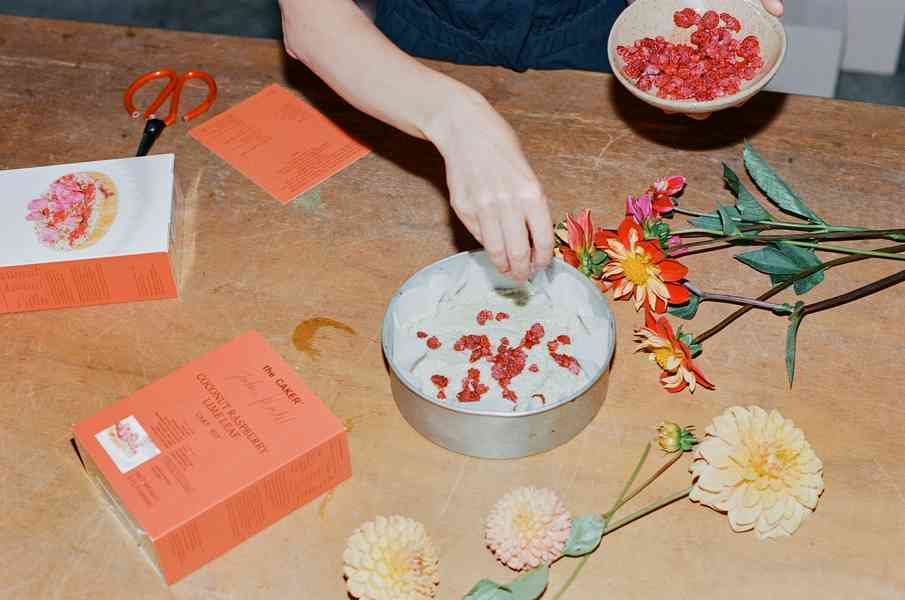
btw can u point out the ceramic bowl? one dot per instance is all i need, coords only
(650, 18)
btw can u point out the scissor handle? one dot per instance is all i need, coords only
(161, 97)
(174, 89)
(205, 104)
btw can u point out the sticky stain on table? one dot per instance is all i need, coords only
(305, 331)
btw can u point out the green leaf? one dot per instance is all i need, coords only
(529, 585)
(806, 259)
(713, 220)
(750, 209)
(897, 237)
(688, 310)
(769, 260)
(488, 590)
(775, 188)
(728, 225)
(585, 534)
(791, 337)
(709, 221)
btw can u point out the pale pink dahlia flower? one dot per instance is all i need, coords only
(528, 527)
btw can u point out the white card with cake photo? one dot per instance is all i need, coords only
(85, 210)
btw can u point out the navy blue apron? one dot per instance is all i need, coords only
(518, 34)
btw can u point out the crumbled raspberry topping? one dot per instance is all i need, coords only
(441, 382)
(472, 388)
(713, 66)
(433, 343)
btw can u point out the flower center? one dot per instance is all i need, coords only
(662, 356)
(636, 267)
(769, 463)
(526, 523)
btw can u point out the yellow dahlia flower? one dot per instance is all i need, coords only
(758, 468)
(391, 558)
(528, 527)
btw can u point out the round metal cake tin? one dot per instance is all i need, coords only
(486, 434)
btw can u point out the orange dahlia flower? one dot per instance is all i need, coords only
(638, 269)
(671, 353)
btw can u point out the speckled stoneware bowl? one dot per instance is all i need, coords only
(650, 18)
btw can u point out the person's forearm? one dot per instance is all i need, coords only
(367, 69)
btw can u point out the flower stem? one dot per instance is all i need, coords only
(837, 229)
(606, 518)
(649, 481)
(732, 299)
(578, 568)
(656, 505)
(785, 284)
(848, 250)
(628, 484)
(861, 292)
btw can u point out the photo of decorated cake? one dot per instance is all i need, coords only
(76, 211)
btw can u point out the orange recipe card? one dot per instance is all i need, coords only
(280, 142)
(213, 453)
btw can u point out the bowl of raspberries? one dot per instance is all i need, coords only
(696, 56)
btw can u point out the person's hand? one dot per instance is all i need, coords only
(492, 188)
(774, 7)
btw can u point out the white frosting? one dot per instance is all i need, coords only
(445, 304)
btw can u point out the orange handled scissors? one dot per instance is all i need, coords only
(172, 91)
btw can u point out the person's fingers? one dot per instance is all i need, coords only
(541, 228)
(518, 249)
(774, 7)
(698, 116)
(492, 238)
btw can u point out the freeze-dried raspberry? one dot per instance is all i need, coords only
(685, 18)
(731, 22)
(421, 334)
(710, 20)
(709, 68)
(484, 316)
(749, 47)
(433, 343)
(501, 316)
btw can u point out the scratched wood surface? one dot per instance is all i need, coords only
(250, 263)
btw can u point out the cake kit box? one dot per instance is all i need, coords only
(213, 453)
(88, 233)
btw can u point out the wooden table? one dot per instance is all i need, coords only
(251, 263)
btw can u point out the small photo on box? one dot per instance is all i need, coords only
(127, 444)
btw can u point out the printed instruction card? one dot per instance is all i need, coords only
(280, 142)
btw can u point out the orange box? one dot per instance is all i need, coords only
(88, 233)
(215, 452)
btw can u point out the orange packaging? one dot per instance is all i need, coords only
(88, 233)
(213, 453)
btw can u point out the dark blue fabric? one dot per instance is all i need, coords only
(518, 34)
